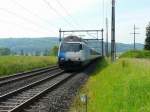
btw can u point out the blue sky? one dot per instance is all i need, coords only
(131, 12)
(40, 18)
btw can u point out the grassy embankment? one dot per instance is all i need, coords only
(13, 64)
(136, 54)
(123, 86)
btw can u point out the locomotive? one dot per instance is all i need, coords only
(74, 53)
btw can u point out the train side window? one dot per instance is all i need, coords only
(81, 47)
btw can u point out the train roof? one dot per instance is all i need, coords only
(73, 39)
(76, 39)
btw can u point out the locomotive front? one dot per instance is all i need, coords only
(70, 53)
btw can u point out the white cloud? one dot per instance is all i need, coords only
(31, 17)
(22, 18)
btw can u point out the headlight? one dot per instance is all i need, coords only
(62, 58)
(77, 59)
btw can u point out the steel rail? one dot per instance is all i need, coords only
(41, 94)
(29, 85)
(29, 88)
(26, 75)
(26, 72)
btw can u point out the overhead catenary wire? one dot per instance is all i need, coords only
(68, 14)
(19, 25)
(58, 13)
(29, 11)
(103, 13)
(91, 35)
(106, 8)
(21, 17)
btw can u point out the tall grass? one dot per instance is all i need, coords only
(136, 54)
(13, 64)
(123, 86)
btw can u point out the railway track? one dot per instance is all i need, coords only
(13, 82)
(17, 100)
(51, 93)
(19, 76)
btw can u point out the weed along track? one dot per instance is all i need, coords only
(8, 84)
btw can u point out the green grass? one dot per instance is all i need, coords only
(123, 86)
(136, 54)
(14, 64)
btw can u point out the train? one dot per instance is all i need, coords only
(74, 53)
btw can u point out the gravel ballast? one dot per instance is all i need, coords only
(61, 98)
(18, 84)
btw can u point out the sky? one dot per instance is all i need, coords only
(43, 18)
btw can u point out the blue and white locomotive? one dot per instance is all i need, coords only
(74, 53)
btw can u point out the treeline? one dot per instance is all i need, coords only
(147, 40)
(46, 52)
(5, 51)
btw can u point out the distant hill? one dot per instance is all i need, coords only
(32, 45)
(29, 45)
(125, 47)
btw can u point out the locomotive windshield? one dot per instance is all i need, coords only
(71, 47)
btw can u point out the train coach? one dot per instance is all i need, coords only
(74, 53)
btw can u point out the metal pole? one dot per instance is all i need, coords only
(97, 35)
(134, 36)
(86, 104)
(106, 47)
(102, 42)
(63, 35)
(113, 48)
(60, 35)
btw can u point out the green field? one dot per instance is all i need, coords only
(123, 86)
(13, 64)
(136, 54)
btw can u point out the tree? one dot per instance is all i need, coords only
(46, 52)
(22, 52)
(5, 51)
(37, 53)
(54, 51)
(14, 53)
(147, 40)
